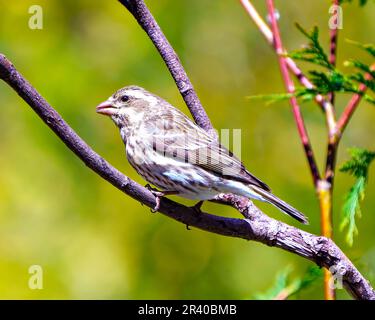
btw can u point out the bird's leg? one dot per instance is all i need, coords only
(197, 207)
(158, 195)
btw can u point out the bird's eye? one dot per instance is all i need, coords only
(125, 98)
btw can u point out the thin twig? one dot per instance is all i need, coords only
(258, 20)
(333, 36)
(332, 148)
(293, 100)
(352, 105)
(258, 226)
(145, 19)
(349, 109)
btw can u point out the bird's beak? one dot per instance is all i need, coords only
(106, 108)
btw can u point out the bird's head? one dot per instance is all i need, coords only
(128, 106)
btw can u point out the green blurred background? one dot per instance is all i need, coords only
(90, 239)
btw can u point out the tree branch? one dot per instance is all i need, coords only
(145, 19)
(289, 85)
(258, 226)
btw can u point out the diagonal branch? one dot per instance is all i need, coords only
(352, 106)
(145, 19)
(349, 109)
(293, 100)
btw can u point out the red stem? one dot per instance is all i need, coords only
(293, 100)
(349, 109)
(352, 105)
(332, 49)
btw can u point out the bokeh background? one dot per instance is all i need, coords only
(94, 242)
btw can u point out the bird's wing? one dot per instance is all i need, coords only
(183, 140)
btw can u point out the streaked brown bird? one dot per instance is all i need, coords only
(171, 152)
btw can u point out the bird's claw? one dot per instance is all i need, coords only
(157, 205)
(157, 194)
(197, 207)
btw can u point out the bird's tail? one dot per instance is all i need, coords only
(280, 204)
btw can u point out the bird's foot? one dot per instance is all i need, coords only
(158, 195)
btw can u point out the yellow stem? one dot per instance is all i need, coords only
(325, 201)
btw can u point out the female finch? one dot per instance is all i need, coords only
(171, 152)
